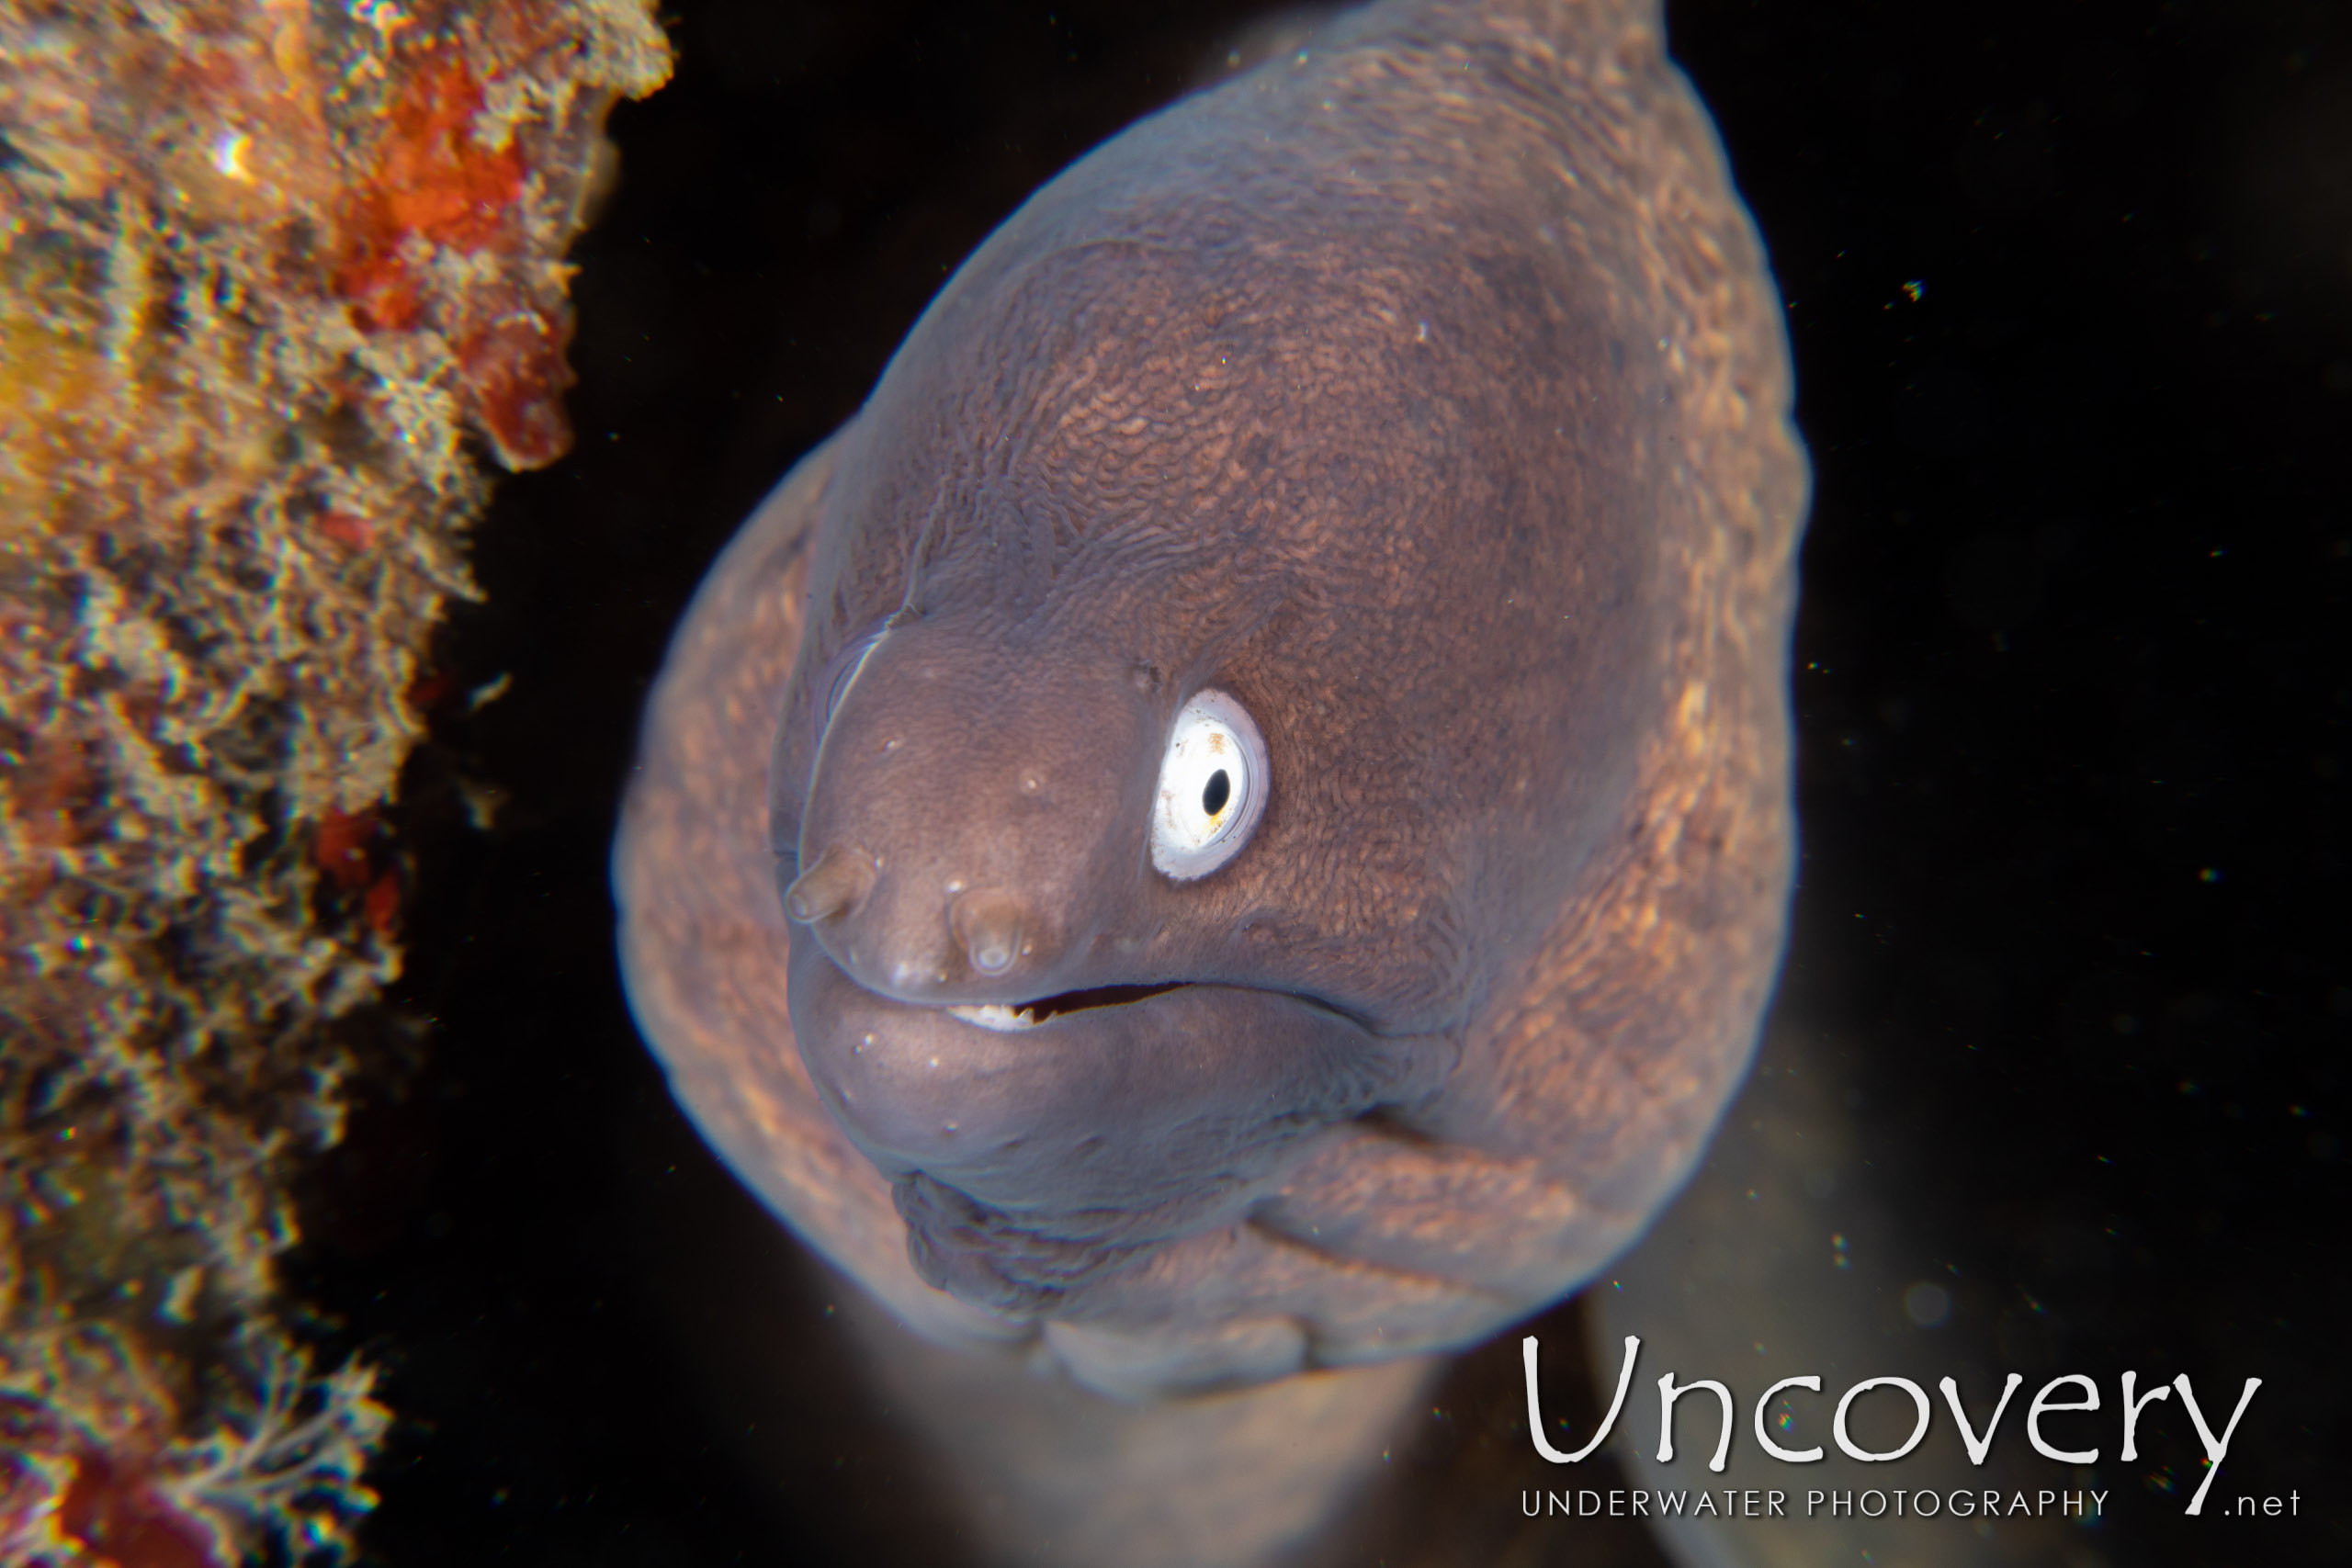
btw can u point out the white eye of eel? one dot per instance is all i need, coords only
(1213, 780)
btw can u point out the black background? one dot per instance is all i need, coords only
(2072, 681)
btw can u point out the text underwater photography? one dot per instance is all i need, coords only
(2022, 1240)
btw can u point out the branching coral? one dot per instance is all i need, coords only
(271, 274)
(294, 1462)
(88, 1473)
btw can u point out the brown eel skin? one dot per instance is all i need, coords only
(1423, 394)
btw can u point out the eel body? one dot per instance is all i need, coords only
(1422, 397)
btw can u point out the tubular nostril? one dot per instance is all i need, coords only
(988, 924)
(832, 887)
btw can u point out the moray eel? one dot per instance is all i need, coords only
(1235, 818)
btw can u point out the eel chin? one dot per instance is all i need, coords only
(1038, 1148)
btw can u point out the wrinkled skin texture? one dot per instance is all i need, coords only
(1427, 394)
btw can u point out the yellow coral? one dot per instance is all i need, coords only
(270, 275)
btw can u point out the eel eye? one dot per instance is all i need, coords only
(1213, 786)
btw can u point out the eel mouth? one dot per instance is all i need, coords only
(1103, 1100)
(1010, 1017)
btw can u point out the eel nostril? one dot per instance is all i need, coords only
(832, 887)
(987, 925)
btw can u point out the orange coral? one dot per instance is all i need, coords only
(432, 183)
(110, 1510)
(437, 188)
(340, 846)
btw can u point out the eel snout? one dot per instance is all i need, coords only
(987, 926)
(966, 830)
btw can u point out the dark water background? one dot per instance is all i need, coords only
(2072, 686)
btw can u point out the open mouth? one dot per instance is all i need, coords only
(1006, 1016)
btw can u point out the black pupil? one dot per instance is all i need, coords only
(1219, 791)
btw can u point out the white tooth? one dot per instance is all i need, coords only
(995, 1015)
